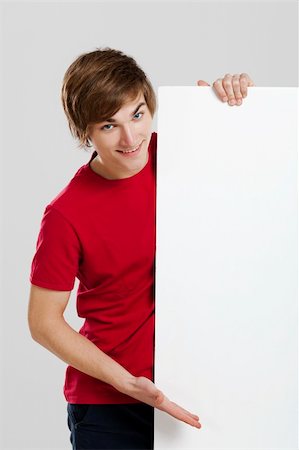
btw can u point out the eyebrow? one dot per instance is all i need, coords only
(113, 120)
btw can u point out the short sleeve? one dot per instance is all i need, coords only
(56, 260)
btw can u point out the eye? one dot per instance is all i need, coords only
(109, 125)
(138, 113)
(104, 127)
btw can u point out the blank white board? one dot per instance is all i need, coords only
(226, 345)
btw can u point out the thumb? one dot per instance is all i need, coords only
(202, 83)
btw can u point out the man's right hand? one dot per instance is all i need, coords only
(45, 314)
(144, 390)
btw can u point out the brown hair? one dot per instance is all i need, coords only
(97, 84)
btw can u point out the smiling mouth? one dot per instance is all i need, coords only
(130, 151)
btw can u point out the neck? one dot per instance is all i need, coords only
(99, 168)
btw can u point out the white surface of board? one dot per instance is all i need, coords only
(226, 343)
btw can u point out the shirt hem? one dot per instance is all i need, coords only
(49, 286)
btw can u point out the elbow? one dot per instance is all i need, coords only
(35, 330)
(42, 328)
(38, 327)
(45, 312)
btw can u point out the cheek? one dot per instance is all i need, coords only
(147, 122)
(107, 143)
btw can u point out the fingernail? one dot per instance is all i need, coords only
(239, 102)
(224, 99)
(232, 102)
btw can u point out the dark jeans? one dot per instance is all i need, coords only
(117, 427)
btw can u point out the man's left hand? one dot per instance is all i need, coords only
(232, 88)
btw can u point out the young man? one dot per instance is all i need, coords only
(101, 229)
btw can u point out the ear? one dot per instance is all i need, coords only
(202, 83)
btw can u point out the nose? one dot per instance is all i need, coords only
(128, 138)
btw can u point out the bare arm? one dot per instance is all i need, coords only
(49, 328)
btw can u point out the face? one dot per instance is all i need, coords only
(115, 138)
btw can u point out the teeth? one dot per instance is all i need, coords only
(130, 151)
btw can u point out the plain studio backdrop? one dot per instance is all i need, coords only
(176, 43)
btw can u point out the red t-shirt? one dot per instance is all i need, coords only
(103, 232)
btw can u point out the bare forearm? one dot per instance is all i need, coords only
(73, 348)
(79, 352)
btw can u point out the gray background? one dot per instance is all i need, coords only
(176, 43)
